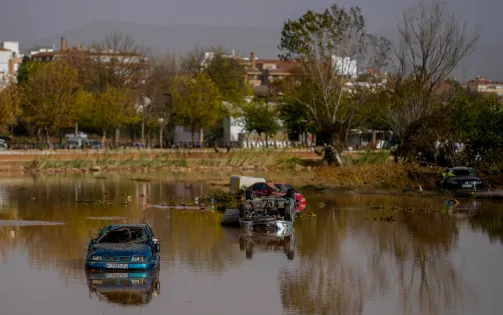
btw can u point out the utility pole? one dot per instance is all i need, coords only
(171, 136)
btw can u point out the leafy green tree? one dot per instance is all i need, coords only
(9, 105)
(198, 103)
(229, 76)
(50, 98)
(324, 44)
(112, 108)
(27, 69)
(260, 118)
(477, 120)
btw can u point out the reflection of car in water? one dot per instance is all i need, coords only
(124, 288)
(461, 179)
(124, 246)
(250, 241)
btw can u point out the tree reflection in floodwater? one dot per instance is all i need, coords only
(489, 222)
(347, 260)
(343, 262)
(192, 238)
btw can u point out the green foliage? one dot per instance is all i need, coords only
(27, 69)
(478, 121)
(260, 118)
(111, 108)
(197, 103)
(228, 75)
(314, 40)
(9, 105)
(50, 97)
(320, 35)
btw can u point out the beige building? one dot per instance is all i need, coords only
(261, 72)
(485, 86)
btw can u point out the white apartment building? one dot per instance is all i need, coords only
(345, 66)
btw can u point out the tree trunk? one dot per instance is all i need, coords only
(46, 136)
(38, 137)
(160, 136)
(201, 137)
(143, 131)
(192, 130)
(76, 130)
(104, 138)
(334, 150)
(117, 136)
(148, 137)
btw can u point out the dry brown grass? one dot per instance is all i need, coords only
(383, 175)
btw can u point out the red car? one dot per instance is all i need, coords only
(278, 189)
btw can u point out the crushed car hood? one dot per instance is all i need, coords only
(119, 249)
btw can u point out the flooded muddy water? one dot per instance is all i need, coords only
(344, 259)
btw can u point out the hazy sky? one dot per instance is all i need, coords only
(30, 20)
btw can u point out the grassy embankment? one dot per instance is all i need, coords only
(370, 170)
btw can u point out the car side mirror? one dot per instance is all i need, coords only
(266, 191)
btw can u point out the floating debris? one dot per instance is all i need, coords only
(384, 219)
(142, 179)
(96, 202)
(106, 218)
(379, 207)
(4, 223)
(167, 206)
(321, 205)
(305, 214)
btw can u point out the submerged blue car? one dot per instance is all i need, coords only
(124, 246)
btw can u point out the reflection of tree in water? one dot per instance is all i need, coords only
(324, 283)
(419, 249)
(196, 238)
(346, 261)
(53, 199)
(488, 221)
(193, 238)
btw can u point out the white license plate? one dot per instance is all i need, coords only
(466, 186)
(116, 275)
(116, 266)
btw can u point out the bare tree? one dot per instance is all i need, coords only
(119, 61)
(160, 81)
(432, 44)
(327, 45)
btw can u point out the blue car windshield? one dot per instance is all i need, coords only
(124, 235)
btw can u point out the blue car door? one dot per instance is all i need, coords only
(153, 246)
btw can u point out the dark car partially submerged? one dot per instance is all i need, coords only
(124, 246)
(462, 178)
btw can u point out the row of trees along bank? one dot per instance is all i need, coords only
(406, 91)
